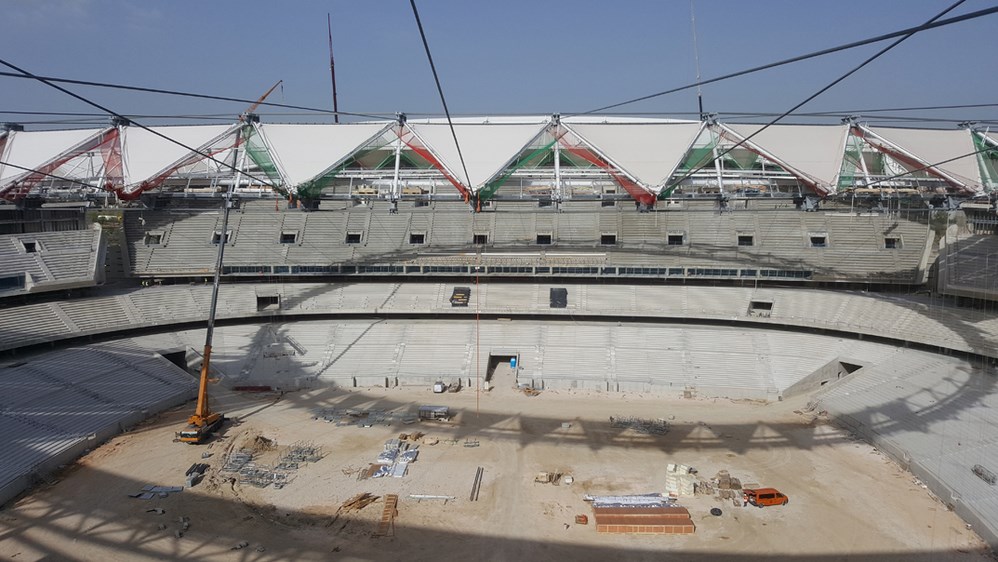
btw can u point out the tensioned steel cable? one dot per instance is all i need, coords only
(440, 90)
(139, 125)
(830, 50)
(869, 59)
(184, 94)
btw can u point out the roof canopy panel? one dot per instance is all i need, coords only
(936, 145)
(32, 149)
(649, 152)
(815, 150)
(306, 151)
(146, 154)
(487, 148)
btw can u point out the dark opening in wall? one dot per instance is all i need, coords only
(543, 239)
(608, 239)
(264, 302)
(354, 237)
(760, 308)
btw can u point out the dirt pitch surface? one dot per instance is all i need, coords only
(847, 500)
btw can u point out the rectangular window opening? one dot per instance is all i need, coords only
(892, 243)
(354, 237)
(675, 239)
(265, 302)
(289, 237)
(417, 238)
(153, 238)
(481, 238)
(29, 247)
(608, 239)
(760, 308)
(746, 240)
(819, 241)
(216, 236)
(543, 239)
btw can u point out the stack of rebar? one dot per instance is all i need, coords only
(649, 427)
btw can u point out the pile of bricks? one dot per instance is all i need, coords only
(644, 520)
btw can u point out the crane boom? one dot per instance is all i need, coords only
(263, 98)
(204, 422)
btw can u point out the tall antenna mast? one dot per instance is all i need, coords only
(332, 68)
(696, 59)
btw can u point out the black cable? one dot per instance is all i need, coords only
(868, 60)
(183, 94)
(440, 90)
(34, 171)
(877, 39)
(141, 126)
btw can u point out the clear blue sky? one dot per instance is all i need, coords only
(510, 56)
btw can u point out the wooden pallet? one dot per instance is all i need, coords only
(386, 528)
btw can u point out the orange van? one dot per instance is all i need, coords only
(761, 497)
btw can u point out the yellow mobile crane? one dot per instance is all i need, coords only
(204, 422)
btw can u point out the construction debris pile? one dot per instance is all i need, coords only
(195, 473)
(278, 475)
(725, 486)
(648, 427)
(361, 417)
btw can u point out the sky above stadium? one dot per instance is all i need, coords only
(509, 57)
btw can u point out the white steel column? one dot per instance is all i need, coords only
(718, 167)
(557, 170)
(396, 187)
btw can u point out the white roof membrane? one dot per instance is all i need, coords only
(937, 145)
(146, 154)
(486, 148)
(815, 150)
(304, 151)
(649, 152)
(32, 149)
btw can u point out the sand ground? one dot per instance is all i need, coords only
(847, 500)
